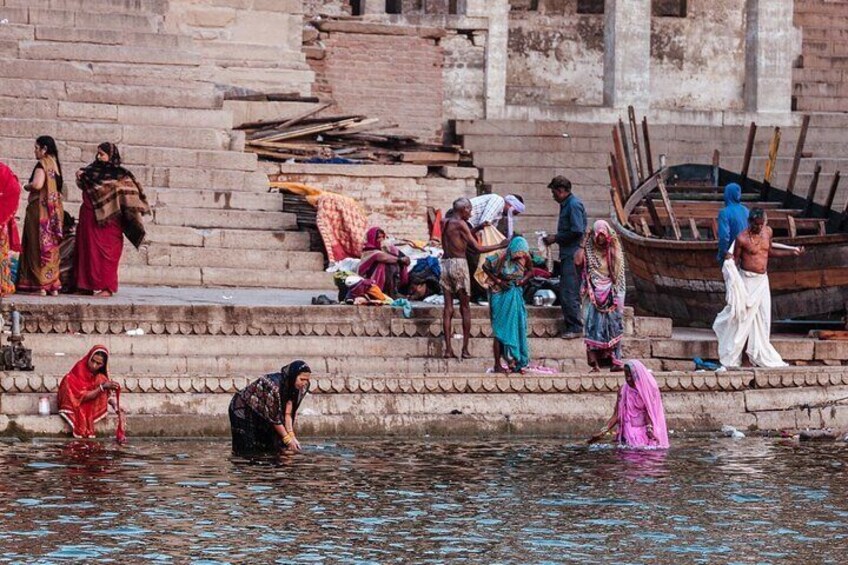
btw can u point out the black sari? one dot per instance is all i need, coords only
(255, 410)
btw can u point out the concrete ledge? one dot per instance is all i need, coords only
(358, 26)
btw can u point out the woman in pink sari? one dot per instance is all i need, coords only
(639, 412)
(385, 265)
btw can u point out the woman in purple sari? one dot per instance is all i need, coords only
(386, 266)
(639, 412)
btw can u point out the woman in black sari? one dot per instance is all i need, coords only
(262, 416)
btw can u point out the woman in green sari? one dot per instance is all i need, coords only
(508, 272)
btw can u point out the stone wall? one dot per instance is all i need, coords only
(395, 197)
(382, 71)
(555, 57)
(698, 62)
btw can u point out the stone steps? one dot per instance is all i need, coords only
(94, 52)
(234, 219)
(100, 6)
(157, 255)
(260, 277)
(216, 238)
(94, 133)
(200, 96)
(98, 36)
(249, 55)
(82, 18)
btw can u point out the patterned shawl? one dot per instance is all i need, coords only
(616, 283)
(113, 191)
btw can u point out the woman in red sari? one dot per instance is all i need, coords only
(112, 205)
(85, 392)
(383, 264)
(10, 241)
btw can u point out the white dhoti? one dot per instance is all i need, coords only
(746, 318)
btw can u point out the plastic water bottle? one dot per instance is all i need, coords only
(44, 406)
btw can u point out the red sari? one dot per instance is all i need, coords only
(10, 194)
(79, 413)
(98, 250)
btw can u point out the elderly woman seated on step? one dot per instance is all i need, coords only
(639, 413)
(263, 415)
(383, 263)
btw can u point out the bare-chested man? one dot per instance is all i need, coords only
(745, 323)
(456, 278)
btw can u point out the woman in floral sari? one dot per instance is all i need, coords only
(39, 267)
(10, 194)
(383, 265)
(85, 392)
(603, 296)
(639, 413)
(508, 272)
(263, 415)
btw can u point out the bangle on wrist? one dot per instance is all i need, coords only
(101, 387)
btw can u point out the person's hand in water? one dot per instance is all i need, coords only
(294, 446)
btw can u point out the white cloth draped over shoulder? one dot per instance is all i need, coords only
(745, 319)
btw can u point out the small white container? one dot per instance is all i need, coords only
(44, 406)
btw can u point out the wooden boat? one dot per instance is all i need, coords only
(666, 219)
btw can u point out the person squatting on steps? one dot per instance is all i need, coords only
(86, 392)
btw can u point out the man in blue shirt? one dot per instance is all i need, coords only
(571, 227)
(732, 220)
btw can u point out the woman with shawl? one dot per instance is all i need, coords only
(639, 412)
(263, 415)
(508, 271)
(603, 293)
(383, 264)
(85, 392)
(10, 194)
(112, 205)
(39, 266)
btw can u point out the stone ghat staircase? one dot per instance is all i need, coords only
(819, 79)
(376, 372)
(522, 156)
(106, 70)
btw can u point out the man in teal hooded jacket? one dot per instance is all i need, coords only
(732, 220)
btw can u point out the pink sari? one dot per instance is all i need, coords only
(640, 406)
(381, 265)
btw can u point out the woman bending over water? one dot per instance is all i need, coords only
(262, 416)
(639, 412)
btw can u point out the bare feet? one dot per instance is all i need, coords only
(500, 369)
(465, 354)
(595, 369)
(103, 294)
(616, 369)
(449, 354)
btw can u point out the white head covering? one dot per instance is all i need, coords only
(516, 206)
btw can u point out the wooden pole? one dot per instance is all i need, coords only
(774, 146)
(749, 149)
(811, 193)
(796, 160)
(628, 156)
(634, 136)
(616, 197)
(667, 203)
(831, 193)
(649, 160)
(623, 178)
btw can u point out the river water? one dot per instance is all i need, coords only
(425, 501)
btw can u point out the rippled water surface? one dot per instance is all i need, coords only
(405, 501)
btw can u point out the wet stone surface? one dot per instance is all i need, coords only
(408, 501)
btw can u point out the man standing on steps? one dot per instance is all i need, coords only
(745, 323)
(456, 278)
(571, 227)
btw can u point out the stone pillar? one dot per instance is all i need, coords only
(627, 53)
(497, 11)
(771, 45)
(375, 7)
